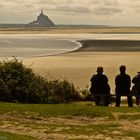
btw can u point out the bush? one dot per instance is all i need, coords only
(20, 84)
(61, 91)
(86, 95)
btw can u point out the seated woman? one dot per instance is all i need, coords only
(100, 88)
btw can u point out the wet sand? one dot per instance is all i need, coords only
(110, 45)
(79, 66)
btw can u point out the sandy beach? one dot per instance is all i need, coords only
(71, 30)
(78, 66)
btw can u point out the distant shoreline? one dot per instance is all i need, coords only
(71, 30)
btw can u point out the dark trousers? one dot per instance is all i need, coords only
(137, 95)
(137, 101)
(102, 100)
(129, 100)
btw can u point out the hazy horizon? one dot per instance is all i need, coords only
(95, 12)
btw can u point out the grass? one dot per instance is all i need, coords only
(85, 129)
(54, 110)
(130, 117)
(79, 120)
(9, 136)
(136, 135)
(72, 109)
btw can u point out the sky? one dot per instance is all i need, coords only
(95, 12)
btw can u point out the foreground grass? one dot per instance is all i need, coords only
(9, 136)
(73, 109)
(80, 120)
(51, 110)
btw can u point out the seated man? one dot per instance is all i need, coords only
(123, 84)
(136, 87)
(100, 88)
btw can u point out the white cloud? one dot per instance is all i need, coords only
(72, 11)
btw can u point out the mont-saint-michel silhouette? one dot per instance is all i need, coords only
(41, 21)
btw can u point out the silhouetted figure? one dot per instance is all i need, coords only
(100, 88)
(136, 87)
(123, 84)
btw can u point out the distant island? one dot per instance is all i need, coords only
(42, 21)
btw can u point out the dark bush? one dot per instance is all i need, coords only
(61, 91)
(20, 84)
(86, 94)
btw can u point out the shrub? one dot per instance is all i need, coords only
(86, 94)
(20, 84)
(61, 91)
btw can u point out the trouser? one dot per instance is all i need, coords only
(102, 100)
(137, 101)
(129, 100)
(137, 98)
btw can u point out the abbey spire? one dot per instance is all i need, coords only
(42, 13)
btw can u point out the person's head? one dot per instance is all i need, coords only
(138, 72)
(100, 70)
(122, 68)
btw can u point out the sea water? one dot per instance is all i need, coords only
(34, 45)
(25, 46)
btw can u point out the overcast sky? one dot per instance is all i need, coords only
(105, 12)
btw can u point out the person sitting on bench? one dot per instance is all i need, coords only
(123, 84)
(100, 88)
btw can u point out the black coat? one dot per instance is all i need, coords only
(99, 84)
(136, 82)
(123, 84)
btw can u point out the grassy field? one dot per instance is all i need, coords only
(10, 136)
(75, 121)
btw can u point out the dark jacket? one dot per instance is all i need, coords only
(136, 82)
(123, 84)
(99, 84)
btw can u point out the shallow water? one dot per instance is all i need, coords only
(33, 45)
